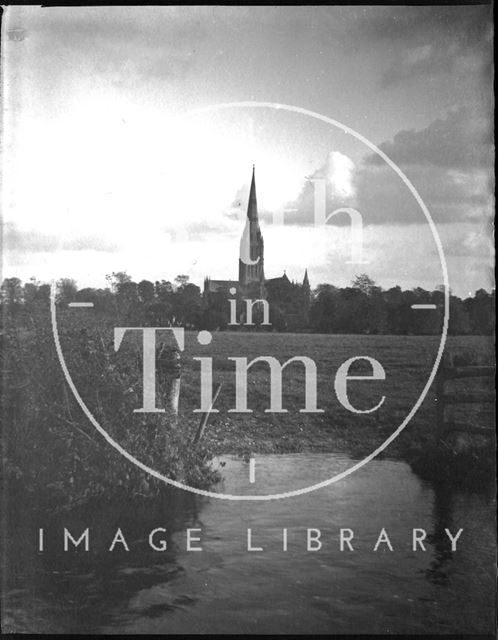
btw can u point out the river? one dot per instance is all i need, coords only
(227, 589)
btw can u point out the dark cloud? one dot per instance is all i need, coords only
(167, 25)
(460, 140)
(430, 40)
(451, 196)
(121, 43)
(449, 163)
(412, 24)
(379, 195)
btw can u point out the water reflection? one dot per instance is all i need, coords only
(227, 589)
(454, 510)
(442, 518)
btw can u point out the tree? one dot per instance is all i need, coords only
(117, 279)
(459, 323)
(67, 291)
(12, 294)
(352, 314)
(393, 299)
(480, 310)
(213, 319)
(30, 291)
(163, 290)
(127, 295)
(34, 294)
(187, 305)
(146, 291)
(364, 283)
(181, 280)
(323, 312)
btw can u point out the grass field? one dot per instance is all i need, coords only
(50, 443)
(407, 361)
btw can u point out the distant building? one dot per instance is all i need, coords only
(252, 283)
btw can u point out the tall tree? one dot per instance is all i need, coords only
(146, 291)
(364, 283)
(66, 290)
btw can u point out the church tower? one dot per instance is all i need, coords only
(251, 257)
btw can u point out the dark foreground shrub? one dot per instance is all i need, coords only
(49, 445)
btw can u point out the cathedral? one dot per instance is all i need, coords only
(288, 298)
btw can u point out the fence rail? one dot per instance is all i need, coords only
(448, 372)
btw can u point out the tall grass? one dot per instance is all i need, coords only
(49, 446)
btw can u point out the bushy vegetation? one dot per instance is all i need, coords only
(50, 448)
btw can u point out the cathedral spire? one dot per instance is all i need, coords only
(251, 257)
(252, 205)
(306, 282)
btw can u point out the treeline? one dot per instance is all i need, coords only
(366, 308)
(363, 307)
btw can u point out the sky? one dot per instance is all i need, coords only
(118, 156)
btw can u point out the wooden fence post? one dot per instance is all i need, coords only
(169, 368)
(450, 369)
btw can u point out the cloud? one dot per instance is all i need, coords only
(29, 241)
(467, 240)
(449, 163)
(93, 243)
(334, 182)
(460, 140)
(427, 41)
(341, 174)
(117, 46)
(410, 23)
(450, 195)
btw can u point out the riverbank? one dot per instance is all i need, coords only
(52, 444)
(471, 466)
(407, 361)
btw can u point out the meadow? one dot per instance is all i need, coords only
(407, 361)
(50, 444)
